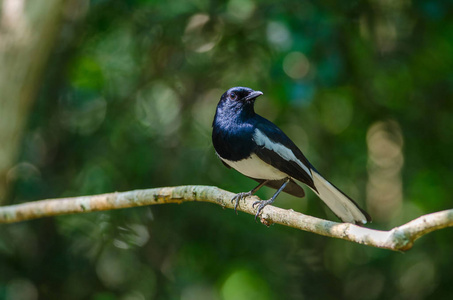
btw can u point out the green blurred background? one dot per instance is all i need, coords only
(126, 101)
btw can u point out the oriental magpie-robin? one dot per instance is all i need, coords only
(260, 150)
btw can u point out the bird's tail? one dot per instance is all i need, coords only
(344, 207)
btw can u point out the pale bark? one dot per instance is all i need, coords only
(399, 238)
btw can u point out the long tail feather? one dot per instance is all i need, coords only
(344, 207)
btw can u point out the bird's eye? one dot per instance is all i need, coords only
(233, 96)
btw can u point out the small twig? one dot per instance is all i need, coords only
(399, 238)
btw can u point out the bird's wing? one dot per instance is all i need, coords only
(276, 148)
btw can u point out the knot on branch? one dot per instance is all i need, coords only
(401, 240)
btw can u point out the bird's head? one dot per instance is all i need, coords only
(239, 99)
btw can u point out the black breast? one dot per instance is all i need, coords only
(232, 139)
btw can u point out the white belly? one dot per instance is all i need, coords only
(256, 168)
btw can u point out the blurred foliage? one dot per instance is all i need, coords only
(363, 87)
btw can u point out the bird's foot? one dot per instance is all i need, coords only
(261, 204)
(238, 198)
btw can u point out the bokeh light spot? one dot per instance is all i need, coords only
(241, 9)
(21, 288)
(296, 65)
(201, 35)
(385, 161)
(336, 111)
(243, 284)
(82, 112)
(279, 35)
(158, 108)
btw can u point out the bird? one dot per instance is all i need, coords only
(257, 148)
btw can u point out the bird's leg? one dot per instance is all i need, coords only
(263, 203)
(241, 196)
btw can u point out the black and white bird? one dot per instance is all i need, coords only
(260, 150)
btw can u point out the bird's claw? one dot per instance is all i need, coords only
(238, 198)
(261, 205)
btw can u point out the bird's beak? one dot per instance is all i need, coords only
(253, 95)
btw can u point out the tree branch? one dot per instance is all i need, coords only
(399, 238)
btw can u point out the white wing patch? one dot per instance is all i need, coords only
(287, 154)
